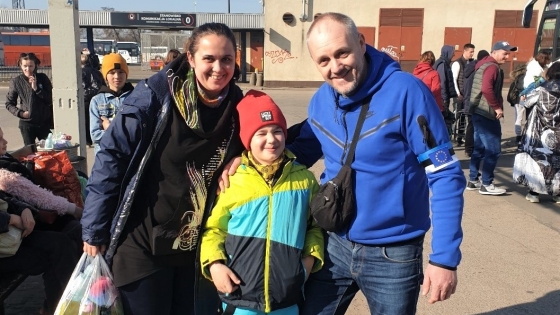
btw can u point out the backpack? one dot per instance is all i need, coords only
(514, 90)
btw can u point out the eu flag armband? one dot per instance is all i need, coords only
(438, 158)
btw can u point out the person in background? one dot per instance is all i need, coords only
(536, 66)
(92, 81)
(154, 179)
(467, 88)
(104, 106)
(487, 108)
(443, 66)
(429, 76)
(34, 91)
(458, 68)
(171, 55)
(272, 189)
(536, 167)
(517, 76)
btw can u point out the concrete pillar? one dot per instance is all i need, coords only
(68, 95)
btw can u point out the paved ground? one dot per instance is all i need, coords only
(511, 257)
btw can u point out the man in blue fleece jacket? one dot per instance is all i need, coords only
(403, 152)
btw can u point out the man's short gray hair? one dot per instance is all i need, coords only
(345, 20)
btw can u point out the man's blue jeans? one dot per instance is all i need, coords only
(487, 148)
(388, 276)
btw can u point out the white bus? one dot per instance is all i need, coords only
(101, 47)
(130, 51)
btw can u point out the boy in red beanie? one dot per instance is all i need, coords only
(260, 243)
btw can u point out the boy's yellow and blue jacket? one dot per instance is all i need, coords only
(262, 232)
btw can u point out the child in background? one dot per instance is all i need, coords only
(261, 243)
(103, 106)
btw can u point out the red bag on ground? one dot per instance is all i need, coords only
(54, 171)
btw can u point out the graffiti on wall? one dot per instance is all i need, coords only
(279, 56)
(391, 51)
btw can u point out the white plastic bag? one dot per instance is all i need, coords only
(90, 290)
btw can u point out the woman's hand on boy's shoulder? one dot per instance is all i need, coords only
(225, 280)
(229, 170)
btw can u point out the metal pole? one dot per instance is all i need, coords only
(228, 6)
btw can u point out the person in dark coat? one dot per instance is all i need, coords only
(92, 81)
(154, 179)
(443, 67)
(35, 108)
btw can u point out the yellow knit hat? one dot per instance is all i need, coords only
(113, 61)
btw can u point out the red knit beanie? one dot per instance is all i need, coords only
(257, 110)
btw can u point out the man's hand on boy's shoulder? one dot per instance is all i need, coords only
(225, 280)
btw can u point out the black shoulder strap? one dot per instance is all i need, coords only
(356, 136)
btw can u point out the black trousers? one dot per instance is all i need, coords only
(469, 136)
(49, 253)
(168, 291)
(30, 132)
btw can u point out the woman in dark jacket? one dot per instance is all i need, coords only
(155, 177)
(34, 91)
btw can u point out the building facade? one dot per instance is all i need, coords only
(401, 28)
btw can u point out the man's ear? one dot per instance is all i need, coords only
(362, 41)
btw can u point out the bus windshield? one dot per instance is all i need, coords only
(101, 47)
(548, 34)
(132, 49)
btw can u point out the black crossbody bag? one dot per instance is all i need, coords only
(334, 206)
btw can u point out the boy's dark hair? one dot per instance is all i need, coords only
(467, 46)
(482, 54)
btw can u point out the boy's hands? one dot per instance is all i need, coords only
(308, 263)
(105, 122)
(224, 279)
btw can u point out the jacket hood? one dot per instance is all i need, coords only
(422, 68)
(447, 52)
(127, 87)
(484, 60)
(380, 67)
